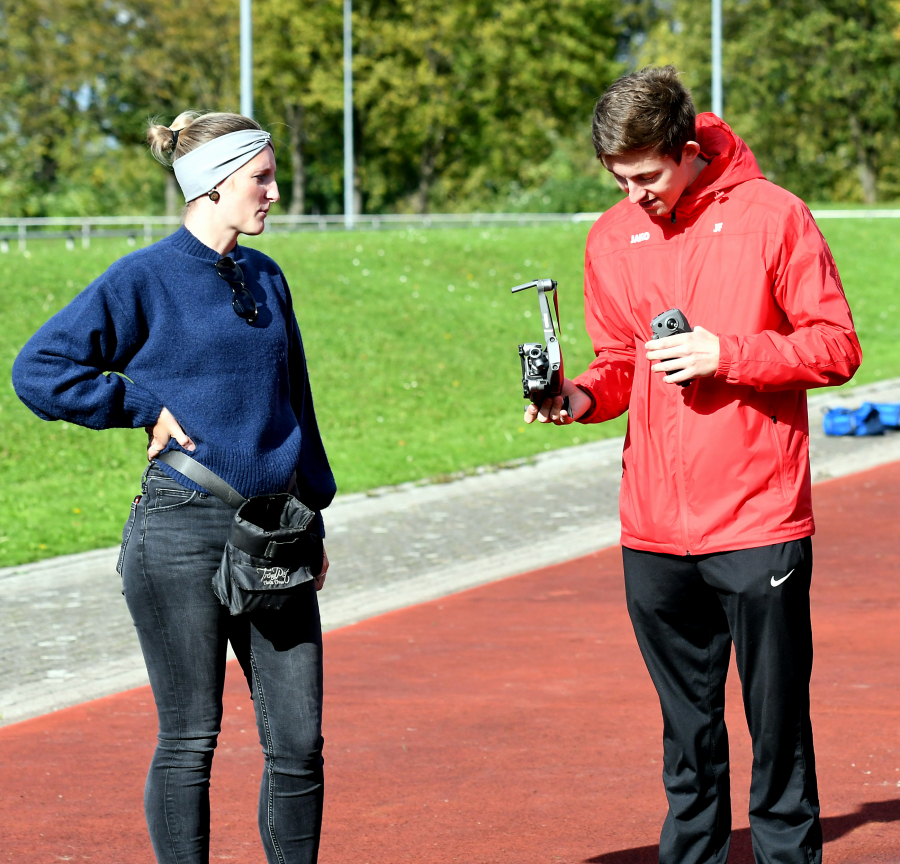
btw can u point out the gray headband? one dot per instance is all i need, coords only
(203, 169)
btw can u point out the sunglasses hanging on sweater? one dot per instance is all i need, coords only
(242, 302)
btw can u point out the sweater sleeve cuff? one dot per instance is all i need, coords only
(727, 350)
(319, 524)
(141, 405)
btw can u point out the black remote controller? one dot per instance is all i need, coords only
(670, 323)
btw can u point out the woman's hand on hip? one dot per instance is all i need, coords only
(166, 427)
(320, 579)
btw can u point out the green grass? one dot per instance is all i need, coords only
(845, 205)
(411, 379)
(868, 258)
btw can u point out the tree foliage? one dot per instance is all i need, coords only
(812, 85)
(78, 81)
(459, 104)
(299, 90)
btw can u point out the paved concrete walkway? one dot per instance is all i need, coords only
(64, 624)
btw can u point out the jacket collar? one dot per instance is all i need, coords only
(730, 163)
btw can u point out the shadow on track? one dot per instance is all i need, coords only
(833, 828)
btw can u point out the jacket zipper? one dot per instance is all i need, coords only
(679, 458)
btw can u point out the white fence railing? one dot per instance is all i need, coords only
(82, 229)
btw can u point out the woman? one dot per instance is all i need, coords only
(208, 357)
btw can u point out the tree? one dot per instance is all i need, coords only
(458, 100)
(299, 79)
(412, 67)
(813, 86)
(48, 125)
(78, 80)
(162, 68)
(545, 63)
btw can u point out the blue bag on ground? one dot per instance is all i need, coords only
(889, 412)
(865, 420)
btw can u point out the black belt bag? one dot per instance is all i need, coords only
(270, 551)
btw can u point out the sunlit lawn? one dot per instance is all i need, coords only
(411, 338)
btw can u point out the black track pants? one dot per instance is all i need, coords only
(686, 611)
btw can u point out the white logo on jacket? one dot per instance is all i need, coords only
(718, 228)
(639, 238)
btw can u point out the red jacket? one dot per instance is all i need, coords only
(724, 463)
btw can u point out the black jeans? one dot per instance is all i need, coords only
(172, 545)
(686, 611)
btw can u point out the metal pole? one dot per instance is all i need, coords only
(247, 58)
(348, 114)
(717, 57)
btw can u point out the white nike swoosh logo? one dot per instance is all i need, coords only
(775, 583)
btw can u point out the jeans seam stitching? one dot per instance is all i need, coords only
(172, 675)
(165, 508)
(270, 802)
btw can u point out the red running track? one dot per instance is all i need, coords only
(511, 723)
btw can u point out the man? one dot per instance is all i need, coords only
(715, 502)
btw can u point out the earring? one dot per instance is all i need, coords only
(213, 195)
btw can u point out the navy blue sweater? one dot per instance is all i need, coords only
(161, 318)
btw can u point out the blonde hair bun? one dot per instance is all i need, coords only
(205, 127)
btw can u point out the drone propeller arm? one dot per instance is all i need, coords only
(546, 315)
(545, 284)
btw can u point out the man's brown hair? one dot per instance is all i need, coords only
(647, 110)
